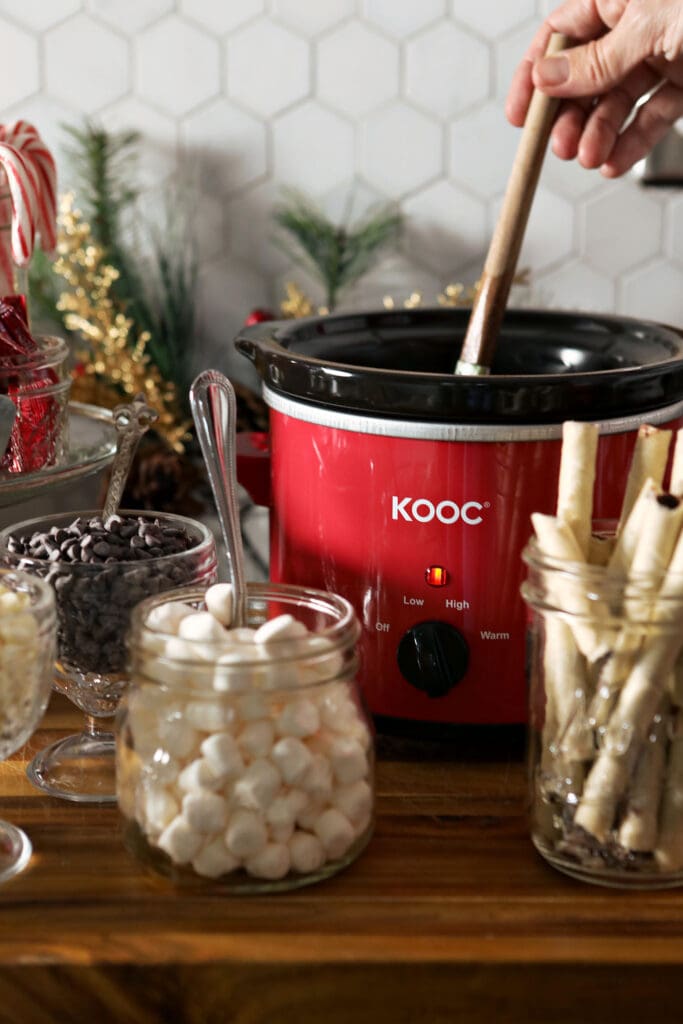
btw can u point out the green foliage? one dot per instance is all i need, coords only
(337, 254)
(157, 293)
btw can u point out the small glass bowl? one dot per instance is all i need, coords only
(94, 604)
(39, 386)
(276, 734)
(27, 653)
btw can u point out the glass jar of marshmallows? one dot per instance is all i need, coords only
(245, 755)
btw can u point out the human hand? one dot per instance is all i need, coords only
(625, 50)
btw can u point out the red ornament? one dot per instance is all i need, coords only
(258, 316)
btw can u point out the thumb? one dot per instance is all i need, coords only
(593, 68)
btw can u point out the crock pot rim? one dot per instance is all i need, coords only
(638, 387)
(269, 332)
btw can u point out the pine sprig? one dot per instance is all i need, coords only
(156, 294)
(338, 255)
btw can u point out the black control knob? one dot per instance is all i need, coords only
(433, 657)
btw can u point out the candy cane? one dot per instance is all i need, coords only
(30, 207)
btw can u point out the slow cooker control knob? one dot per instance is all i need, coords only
(433, 657)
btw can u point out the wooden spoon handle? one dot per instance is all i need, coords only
(501, 260)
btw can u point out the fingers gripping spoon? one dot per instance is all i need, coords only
(214, 407)
(478, 348)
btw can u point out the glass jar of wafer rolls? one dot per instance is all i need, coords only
(606, 684)
(245, 754)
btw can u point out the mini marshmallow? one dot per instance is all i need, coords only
(354, 801)
(272, 862)
(298, 718)
(258, 785)
(246, 834)
(180, 841)
(335, 832)
(167, 617)
(199, 774)
(348, 760)
(252, 706)
(282, 627)
(241, 635)
(201, 626)
(215, 860)
(209, 715)
(281, 833)
(206, 812)
(231, 675)
(153, 644)
(284, 809)
(279, 675)
(317, 781)
(306, 853)
(310, 812)
(177, 737)
(218, 599)
(292, 758)
(179, 649)
(159, 808)
(223, 755)
(256, 738)
(322, 662)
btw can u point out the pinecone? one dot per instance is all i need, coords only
(163, 481)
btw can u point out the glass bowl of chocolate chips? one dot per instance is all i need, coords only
(100, 569)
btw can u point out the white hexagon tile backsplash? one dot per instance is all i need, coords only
(354, 102)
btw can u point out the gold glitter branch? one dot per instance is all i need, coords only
(116, 354)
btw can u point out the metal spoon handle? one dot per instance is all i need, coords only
(214, 405)
(131, 420)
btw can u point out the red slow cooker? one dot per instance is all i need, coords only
(409, 490)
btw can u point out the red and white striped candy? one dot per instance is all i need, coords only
(31, 206)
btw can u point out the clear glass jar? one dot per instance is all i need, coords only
(94, 601)
(39, 386)
(245, 764)
(605, 669)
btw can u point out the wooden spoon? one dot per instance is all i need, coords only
(483, 328)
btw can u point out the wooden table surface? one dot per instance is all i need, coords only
(448, 915)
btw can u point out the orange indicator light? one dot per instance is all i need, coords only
(436, 576)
